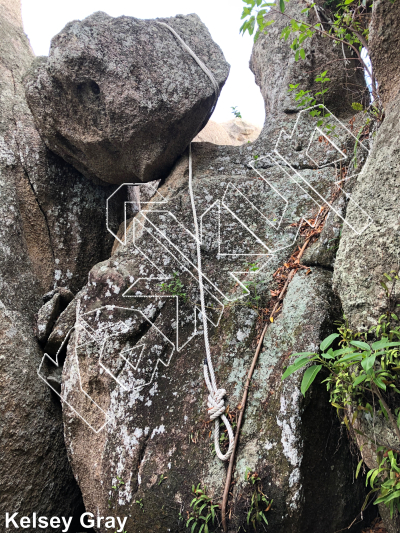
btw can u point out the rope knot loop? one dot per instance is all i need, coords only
(216, 403)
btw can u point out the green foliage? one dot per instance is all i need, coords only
(203, 512)
(175, 287)
(385, 478)
(162, 478)
(115, 488)
(259, 503)
(309, 100)
(236, 112)
(140, 503)
(357, 107)
(346, 24)
(356, 372)
(254, 299)
(118, 484)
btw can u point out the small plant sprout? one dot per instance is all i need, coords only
(140, 503)
(162, 478)
(259, 503)
(251, 286)
(118, 484)
(175, 287)
(357, 107)
(236, 113)
(203, 512)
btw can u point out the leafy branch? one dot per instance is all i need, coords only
(347, 25)
(357, 371)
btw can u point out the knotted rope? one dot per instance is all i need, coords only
(215, 401)
(216, 397)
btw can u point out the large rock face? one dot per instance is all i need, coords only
(134, 402)
(120, 98)
(143, 416)
(34, 471)
(363, 259)
(52, 231)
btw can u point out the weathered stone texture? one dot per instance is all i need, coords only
(34, 470)
(363, 259)
(274, 66)
(149, 428)
(384, 42)
(52, 231)
(126, 120)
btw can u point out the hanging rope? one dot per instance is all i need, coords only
(215, 401)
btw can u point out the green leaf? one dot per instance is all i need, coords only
(358, 468)
(303, 353)
(386, 499)
(360, 379)
(369, 474)
(373, 477)
(351, 357)
(282, 6)
(328, 341)
(380, 344)
(362, 345)
(349, 349)
(380, 383)
(368, 363)
(302, 53)
(292, 368)
(309, 376)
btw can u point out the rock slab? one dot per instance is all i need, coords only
(120, 98)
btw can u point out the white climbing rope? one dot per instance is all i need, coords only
(215, 401)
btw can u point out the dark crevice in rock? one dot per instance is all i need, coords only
(327, 462)
(318, 265)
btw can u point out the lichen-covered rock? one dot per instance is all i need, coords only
(137, 354)
(34, 472)
(363, 259)
(120, 98)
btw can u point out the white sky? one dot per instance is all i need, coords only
(45, 18)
